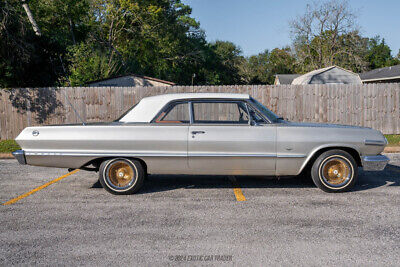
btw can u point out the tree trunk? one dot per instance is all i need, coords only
(35, 27)
(71, 28)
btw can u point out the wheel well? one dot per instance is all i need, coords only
(349, 150)
(97, 162)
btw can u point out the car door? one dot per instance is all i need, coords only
(221, 140)
(166, 140)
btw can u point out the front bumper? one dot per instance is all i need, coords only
(20, 156)
(374, 163)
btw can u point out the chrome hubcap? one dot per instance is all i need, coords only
(336, 172)
(120, 174)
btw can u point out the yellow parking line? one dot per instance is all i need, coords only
(239, 194)
(39, 188)
(237, 190)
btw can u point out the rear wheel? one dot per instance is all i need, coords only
(334, 171)
(121, 176)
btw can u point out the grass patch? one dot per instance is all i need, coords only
(393, 139)
(8, 146)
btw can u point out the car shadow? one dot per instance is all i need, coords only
(369, 180)
(160, 183)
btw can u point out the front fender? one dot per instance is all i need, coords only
(315, 150)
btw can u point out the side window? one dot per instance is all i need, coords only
(220, 112)
(176, 113)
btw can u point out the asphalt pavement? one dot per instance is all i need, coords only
(182, 220)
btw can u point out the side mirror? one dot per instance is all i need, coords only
(253, 117)
(253, 123)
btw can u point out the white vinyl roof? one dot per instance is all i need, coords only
(148, 107)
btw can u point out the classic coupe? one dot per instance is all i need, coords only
(205, 133)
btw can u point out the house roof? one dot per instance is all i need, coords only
(386, 73)
(136, 75)
(306, 78)
(286, 78)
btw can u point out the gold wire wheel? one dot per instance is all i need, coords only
(336, 172)
(120, 174)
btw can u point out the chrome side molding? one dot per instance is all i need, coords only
(374, 143)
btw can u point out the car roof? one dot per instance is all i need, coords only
(170, 97)
(149, 107)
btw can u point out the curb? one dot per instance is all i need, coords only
(6, 156)
(392, 149)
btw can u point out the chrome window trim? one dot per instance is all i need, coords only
(166, 106)
(248, 113)
(190, 104)
(266, 119)
(244, 101)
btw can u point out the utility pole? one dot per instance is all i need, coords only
(193, 76)
(35, 27)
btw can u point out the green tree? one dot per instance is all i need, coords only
(157, 38)
(262, 68)
(66, 22)
(378, 54)
(223, 60)
(25, 58)
(327, 34)
(89, 62)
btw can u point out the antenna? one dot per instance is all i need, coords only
(76, 112)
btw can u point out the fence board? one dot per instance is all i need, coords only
(370, 105)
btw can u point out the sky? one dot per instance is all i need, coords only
(256, 25)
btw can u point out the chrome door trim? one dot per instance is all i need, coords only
(114, 154)
(290, 156)
(85, 154)
(230, 155)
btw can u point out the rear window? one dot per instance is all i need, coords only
(176, 113)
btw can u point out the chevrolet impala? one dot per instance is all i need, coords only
(205, 133)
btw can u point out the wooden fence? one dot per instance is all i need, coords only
(370, 105)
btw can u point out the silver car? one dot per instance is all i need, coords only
(205, 133)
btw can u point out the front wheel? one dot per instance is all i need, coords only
(334, 171)
(121, 176)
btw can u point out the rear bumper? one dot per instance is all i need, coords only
(20, 156)
(374, 163)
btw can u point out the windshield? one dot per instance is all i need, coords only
(266, 112)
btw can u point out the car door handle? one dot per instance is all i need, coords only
(198, 132)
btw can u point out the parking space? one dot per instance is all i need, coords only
(201, 219)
